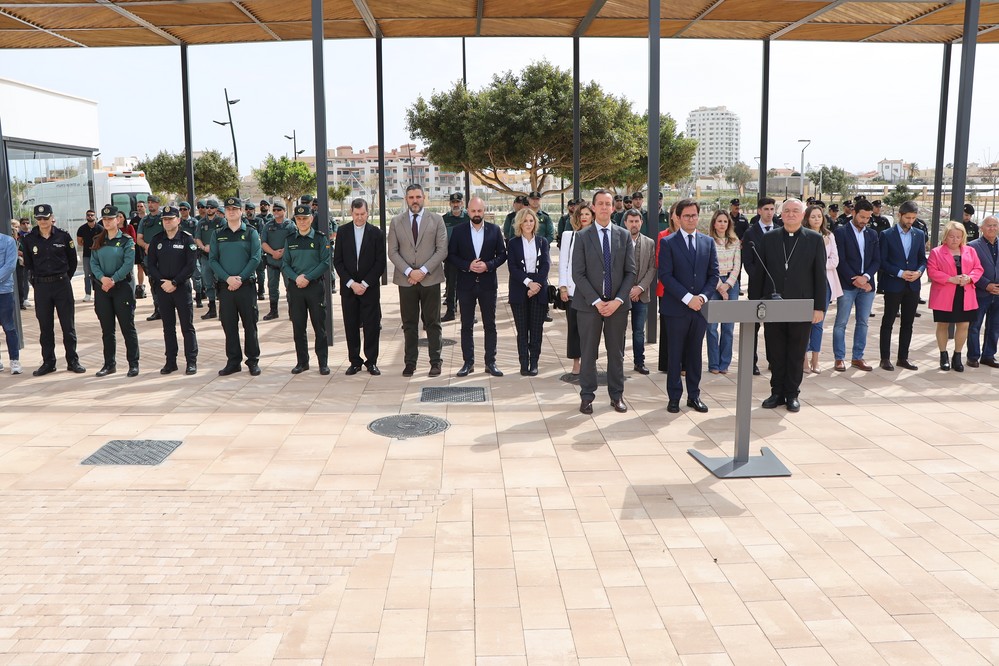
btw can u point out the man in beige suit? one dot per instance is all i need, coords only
(645, 273)
(417, 247)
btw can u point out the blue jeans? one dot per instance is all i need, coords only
(639, 316)
(87, 279)
(988, 314)
(815, 336)
(720, 347)
(7, 305)
(863, 301)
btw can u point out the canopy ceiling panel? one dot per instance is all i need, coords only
(882, 12)
(779, 11)
(535, 8)
(632, 28)
(57, 18)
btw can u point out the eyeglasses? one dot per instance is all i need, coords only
(692, 216)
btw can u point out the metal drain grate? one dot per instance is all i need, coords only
(408, 426)
(452, 394)
(133, 452)
(445, 342)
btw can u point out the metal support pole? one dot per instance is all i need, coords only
(651, 328)
(764, 120)
(185, 93)
(322, 175)
(6, 215)
(576, 135)
(464, 82)
(941, 141)
(380, 104)
(232, 130)
(966, 80)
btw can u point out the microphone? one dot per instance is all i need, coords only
(774, 296)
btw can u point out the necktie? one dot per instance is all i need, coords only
(416, 229)
(607, 264)
(765, 229)
(690, 245)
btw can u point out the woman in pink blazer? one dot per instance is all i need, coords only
(953, 268)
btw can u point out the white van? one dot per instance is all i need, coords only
(70, 198)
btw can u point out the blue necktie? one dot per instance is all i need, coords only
(690, 246)
(607, 264)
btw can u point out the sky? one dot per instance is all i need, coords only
(858, 103)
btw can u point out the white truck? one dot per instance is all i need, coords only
(71, 198)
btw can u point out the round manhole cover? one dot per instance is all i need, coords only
(408, 426)
(445, 342)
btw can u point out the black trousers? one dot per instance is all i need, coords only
(261, 272)
(663, 343)
(308, 304)
(418, 302)
(22, 284)
(450, 286)
(362, 314)
(234, 307)
(686, 343)
(177, 307)
(112, 305)
(785, 345)
(53, 298)
(485, 297)
(591, 326)
(529, 320)
(907, 301)
(572, 333)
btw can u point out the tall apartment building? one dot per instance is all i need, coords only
(403, 165)
(718, 132)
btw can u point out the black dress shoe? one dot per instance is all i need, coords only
(155, 316)
(229, 369)
(756, 371)
(885, 364)
(435, 369)
(972, 363)
(493, 370)
(641, 369)
(408, 370)
(168, 368)
(697, 405)
(673, 407)
(991, 362)
(133, 370)
(105, 371)
(773, 401)
(524, 372)
(548, 317)
(43, 370)
(586, 407)
(904, 363)
(324, 369)
(466, 370)
(77, 368)
(298, 369)
(192, 369)
(373, 370)
(532, 371)
(255, 370)
(352, 370)
(619, 405)
(448, 316)
(793, 405)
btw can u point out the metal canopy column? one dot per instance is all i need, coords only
(380, 104)
(464, 82)
(322, 177)
(653, 146)
(764, 120)
(966, 82)
(576, 136)
(938, 172)
(185, 94)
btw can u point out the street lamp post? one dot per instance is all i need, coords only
(232, 130)
(294, 144)
(807, 143)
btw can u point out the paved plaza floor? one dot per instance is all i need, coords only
(283, 531)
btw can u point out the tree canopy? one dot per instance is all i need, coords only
(285, 178)
(213, 173)
(740, 174)
(833, 179)
(676, 155)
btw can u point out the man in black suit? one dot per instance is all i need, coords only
(603, 269)
(359, 260)
(796, 258)
(475, 251)
(762, 223)
(688, 270)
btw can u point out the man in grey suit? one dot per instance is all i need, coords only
(603, 268)
(417, 247)
(645, 274)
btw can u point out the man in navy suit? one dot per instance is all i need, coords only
(903, 262)
(987, 290)
(688, 270)
(475, 251)
(859, 262)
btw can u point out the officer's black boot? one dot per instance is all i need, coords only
(273, 314)
(211, 314)
(197, 300)
(140, 291)
(155, 316)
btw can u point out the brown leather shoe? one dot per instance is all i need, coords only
(860, 365)
(840, 366)
(972, 363)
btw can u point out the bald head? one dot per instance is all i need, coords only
(476, 210)
(792, 213)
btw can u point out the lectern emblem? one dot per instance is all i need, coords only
(761, 311)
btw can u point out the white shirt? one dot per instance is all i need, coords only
(862, 244)
(530, 258)
(478, 237)
(601, 230)
(358, 237)
(688, 296)
(767, 227)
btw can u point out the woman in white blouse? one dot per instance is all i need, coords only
(582, 217)
(815, 220)
(729, 268)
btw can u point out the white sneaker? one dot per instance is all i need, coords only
(88, 298)
(1, 367)
(15, 367)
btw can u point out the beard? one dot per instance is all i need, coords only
(477, 220)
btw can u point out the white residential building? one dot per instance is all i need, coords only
(403, 166)
(894, 171)
(718, 132)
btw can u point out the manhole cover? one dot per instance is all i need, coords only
(570, 378)
(445, 342)
(133, 452)
(452, 394)
(408, 426)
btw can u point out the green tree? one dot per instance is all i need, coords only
(899, 196)
(523, 122)
(213, 173)
(285, 178)
(165, 172)
(740, 174)
(833, 179)
(716, 172)
(676, 156)
(339, 193)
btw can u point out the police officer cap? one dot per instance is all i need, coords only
(833, 207)
(618, 197)
(456, 196)
(184, 204)
(570, 202)
(212, 203)
(302, 210)
(848, 203)
(265, 202)
(660, 196)
(876, 203)
(233, 202)
(43, 210)
(968, 208)
(534, 195)
(521, 199)
(637, 195)
(306, 198)
(249, 206)
(278, 205)
(109, 211)
(735, 202)
(170, 211)
(627, 199)
(201, 203)
(152, 198)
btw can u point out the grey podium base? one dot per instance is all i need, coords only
(725, 467)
